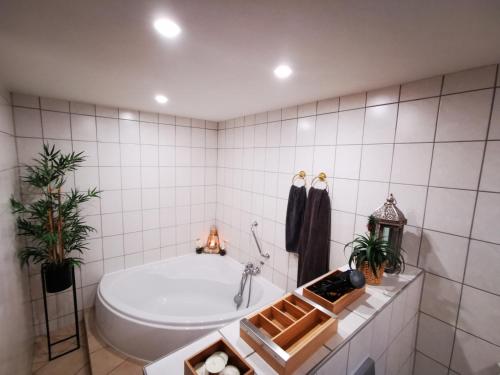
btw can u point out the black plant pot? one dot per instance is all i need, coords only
(58, 276)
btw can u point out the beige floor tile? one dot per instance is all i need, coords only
(85, 370)
(127, 368)
(66, 365)
(104, 360)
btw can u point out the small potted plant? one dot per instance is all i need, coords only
(55, 231)
(371, 255)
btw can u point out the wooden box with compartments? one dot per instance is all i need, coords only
(333, 301)
(288, 331)
(233, 358)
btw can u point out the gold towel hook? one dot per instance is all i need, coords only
(320, 177)
(300, 175)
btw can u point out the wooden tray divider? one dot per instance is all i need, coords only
(269, 323)
(298, 303)
(282, 317)
(284, 338)
(293, 310)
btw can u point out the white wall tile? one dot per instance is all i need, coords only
(472, 355)
(487, 217)
(384, 95)
(494, 132)
(417, 120)
(129, 131)
(54, 104)
(342, 226)
(426, 366)
(89, 150)
(479, 314)
(305, 131)
(345, 194)
(109, 178)
(482, 262)
(112, 224)
(83, 128)
(457, 164)
(380, 124)
(440, 298)
(328, 105)
(347, 161)
(443, 254)
(106, 111)
(111, 201)
(490, 177)
(112, 246)
(411, 200)
(107, 129)
(27, 122)
(109, 154)
(24, 100)
(371, 196)
(148, 133)
(450, 210)
(435, 339)
(350, 128)
(376, 162)
(424, 88)
(471, 79)
(286, 113)
(91, 273)
(412, 163)
(307, 109)
(82, 108)
(352, 101)
(56, 125)
(128, 114)
(464, 117)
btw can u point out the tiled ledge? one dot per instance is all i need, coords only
(381, 325)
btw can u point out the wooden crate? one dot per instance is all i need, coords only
(288, 331)
(340, 304)
(220, 345)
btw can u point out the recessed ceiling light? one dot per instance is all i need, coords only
(162, 99)
(282, 71)
(167, 28)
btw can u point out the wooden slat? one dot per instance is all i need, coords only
(269, 326)
(297, 329)
(293, 310)
(281, 317)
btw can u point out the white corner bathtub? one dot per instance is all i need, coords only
(151, 310)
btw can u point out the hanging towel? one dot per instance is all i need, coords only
(294, 217)
(314, 243)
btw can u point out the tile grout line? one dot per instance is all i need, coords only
(472, 221)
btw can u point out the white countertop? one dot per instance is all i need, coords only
(350, 321)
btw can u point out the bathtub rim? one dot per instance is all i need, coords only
(182, 322)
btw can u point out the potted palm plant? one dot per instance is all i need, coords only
(371, 255)
(52, 224)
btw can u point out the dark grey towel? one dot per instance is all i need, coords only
(314, 244)
(294, 217)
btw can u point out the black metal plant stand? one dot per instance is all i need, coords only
(50, 344)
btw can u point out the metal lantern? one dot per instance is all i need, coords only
(389, 224)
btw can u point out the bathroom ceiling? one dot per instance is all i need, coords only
(221, 65)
